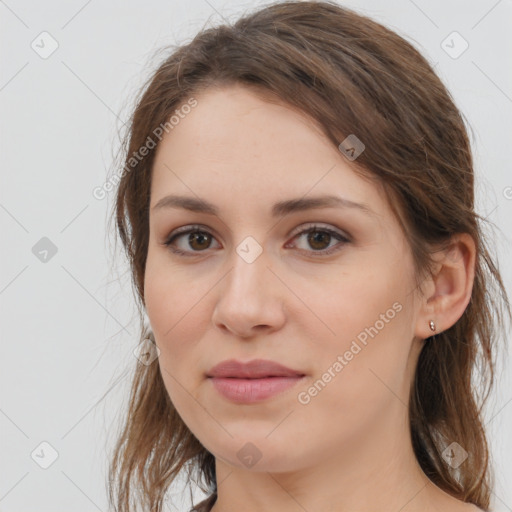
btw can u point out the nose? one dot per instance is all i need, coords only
(250, 299)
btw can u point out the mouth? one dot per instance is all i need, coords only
(253, 381)
(253, 390)
(255, 369)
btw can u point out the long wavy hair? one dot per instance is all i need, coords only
(353, 76)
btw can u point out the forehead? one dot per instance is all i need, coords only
(239, 147)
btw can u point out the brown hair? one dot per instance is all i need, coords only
(353, 76)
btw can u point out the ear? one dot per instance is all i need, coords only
(449, 289)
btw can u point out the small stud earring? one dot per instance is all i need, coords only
(432, 325)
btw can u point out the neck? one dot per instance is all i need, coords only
(376, 471)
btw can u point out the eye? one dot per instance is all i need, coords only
(319, 237)
(199, 239)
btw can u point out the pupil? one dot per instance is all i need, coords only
(200, 237)
(314, 239)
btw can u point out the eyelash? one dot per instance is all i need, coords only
(197, 228)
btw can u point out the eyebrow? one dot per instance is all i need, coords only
(195, 204)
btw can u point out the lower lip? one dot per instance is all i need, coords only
(246, 391)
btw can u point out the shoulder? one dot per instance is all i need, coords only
(459, 506)
(474, 508)
(468, 507)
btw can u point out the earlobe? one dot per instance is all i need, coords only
(452, 285)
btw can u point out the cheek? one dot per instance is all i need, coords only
(365, 345)
(176, 314)
(172, 297)
(359, 383)
(355, 301)
(177, 308)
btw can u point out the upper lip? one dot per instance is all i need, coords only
(257, 368)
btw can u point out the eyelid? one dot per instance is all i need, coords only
(303, 229)
(320, 226)
(190, 227)
(183, 230)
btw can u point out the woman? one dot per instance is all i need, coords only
(297, 206)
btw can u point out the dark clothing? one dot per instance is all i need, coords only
(205, 505)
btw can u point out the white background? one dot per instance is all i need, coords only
(67, 325)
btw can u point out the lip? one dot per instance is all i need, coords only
(253, 381)
(249, 391)
(255, 369)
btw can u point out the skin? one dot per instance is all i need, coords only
(349, 448)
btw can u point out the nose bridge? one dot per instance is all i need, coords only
(249, 297)
(249, 268)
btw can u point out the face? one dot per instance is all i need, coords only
(327, 291)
